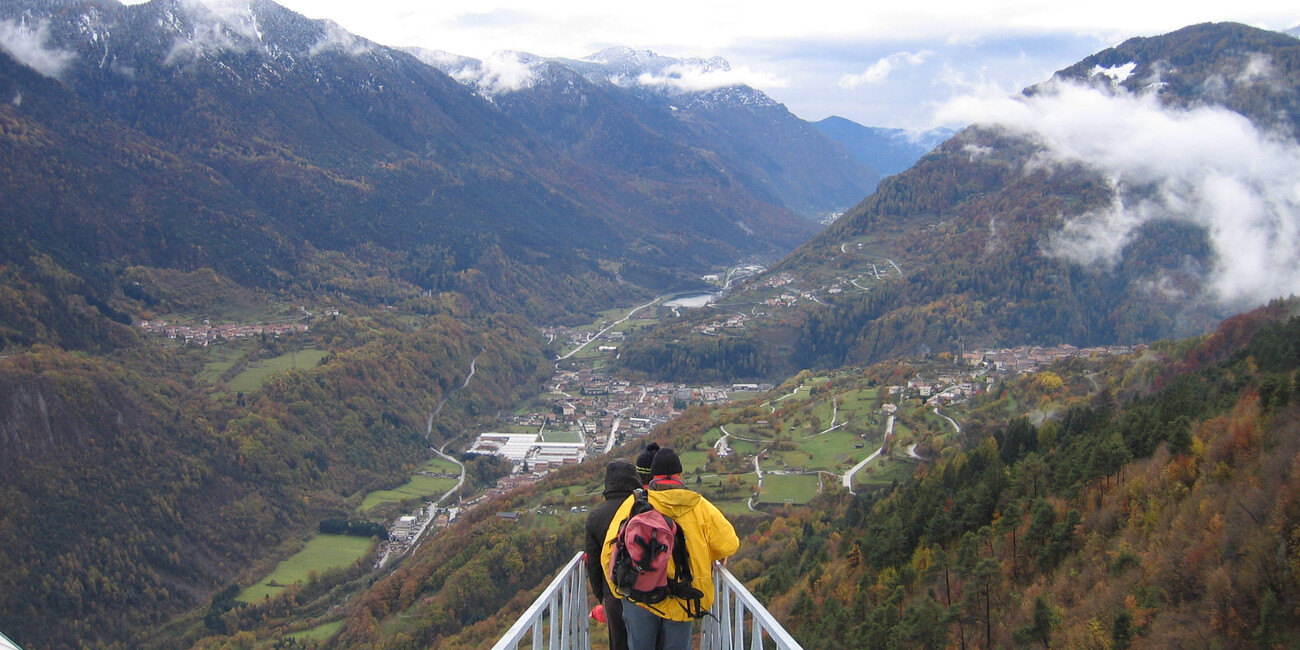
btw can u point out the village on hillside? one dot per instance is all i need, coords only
(593, 411)
(207, 333)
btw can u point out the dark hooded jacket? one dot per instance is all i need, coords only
(620, 482)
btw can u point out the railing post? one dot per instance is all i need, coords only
(725, 629)
(559, 614)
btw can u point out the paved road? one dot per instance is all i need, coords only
(459, 482)
(428, 431)
(758, 469)
(949, 420)
(611, 326)
(428, 428)
(848, 476)
(609, 444)
(722, 447)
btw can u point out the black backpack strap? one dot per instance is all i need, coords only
(682, 583)
(681, 559)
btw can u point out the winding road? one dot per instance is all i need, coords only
(722, 446)
(835, 414)
(428, 431)
(428, 427)
(848, 476)
(611, 326)
(950, 420)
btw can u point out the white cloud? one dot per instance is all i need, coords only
(691, 77)
(502, 72)
(1206, 166)
(881, 69)
(214, 26)
(27, 45)
(1258, 66)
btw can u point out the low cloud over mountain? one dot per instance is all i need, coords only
(1201, 164)
(28, 44)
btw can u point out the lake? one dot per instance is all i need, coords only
(691, 300)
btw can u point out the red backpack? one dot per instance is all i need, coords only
(646, 540)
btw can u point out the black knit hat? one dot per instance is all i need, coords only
(644, 461)
(666, 463)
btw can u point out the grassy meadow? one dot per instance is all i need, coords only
(321, 553)
(418, 487)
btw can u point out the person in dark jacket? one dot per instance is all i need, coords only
(644, 461)
(620, 481)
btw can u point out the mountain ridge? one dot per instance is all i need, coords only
(337, 142)
(1005, 235)
(688, 111)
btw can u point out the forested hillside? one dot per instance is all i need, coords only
(1156, 511)
(132, 492)
(1138, 500)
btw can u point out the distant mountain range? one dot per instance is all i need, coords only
(662, 118)
(281, 150)
(888, 151)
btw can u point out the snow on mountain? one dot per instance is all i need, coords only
(1117, 74)
(503, 72)
(51, 35)
(688, 82)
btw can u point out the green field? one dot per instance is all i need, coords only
(693, 461)
(734, 507)
(517, 428)
(419, 487)
(742, 447)
(322, 552)
(318, 633)
(604, 319)
(793, 488)
(859, 401)
(561, 436)
(252, 377)
(832, 451)
(221, 358)
(797, 394)
(742, 430)
(882, 472)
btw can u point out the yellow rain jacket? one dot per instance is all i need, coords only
(709, 537)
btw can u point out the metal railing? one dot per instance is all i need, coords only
(557, 620)
(6, 644)
(726, 628)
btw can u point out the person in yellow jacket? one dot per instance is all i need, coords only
(709, 538)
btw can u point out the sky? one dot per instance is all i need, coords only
(892, 64)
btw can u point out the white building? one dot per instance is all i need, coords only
(521, 448)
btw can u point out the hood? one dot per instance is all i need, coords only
(675, 502)
(620, 479)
